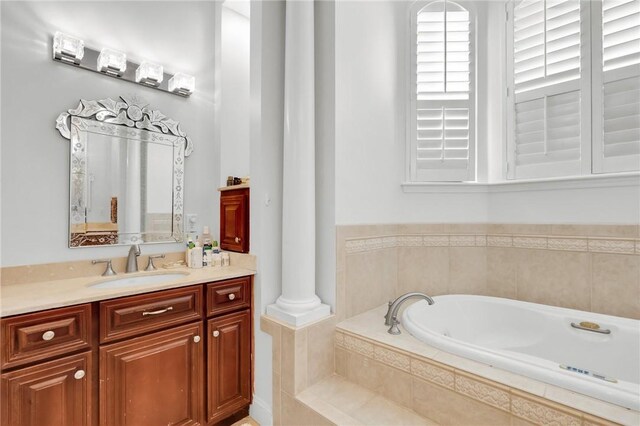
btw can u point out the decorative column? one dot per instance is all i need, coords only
(298, 303)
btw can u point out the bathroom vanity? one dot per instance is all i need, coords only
(176, 356)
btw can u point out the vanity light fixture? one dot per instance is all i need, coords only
(149, 73)
(71, 50)
(67, 48)
(112, 62)
(182, 84)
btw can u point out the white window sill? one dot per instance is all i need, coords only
(576, 182)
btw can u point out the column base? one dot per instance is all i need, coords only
(298, 319)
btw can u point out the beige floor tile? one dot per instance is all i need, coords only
(341, 393)
(382, 412)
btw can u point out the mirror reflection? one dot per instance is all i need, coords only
(126, 175)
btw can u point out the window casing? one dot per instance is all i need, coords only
(442, 106)
(573, 87)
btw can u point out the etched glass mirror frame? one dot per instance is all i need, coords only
(127, 118)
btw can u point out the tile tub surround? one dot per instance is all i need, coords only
(302, 357)
(454, 390)
(588, 267)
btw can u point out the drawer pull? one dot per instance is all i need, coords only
(48, 335)
(158, 312)
(196, 339)
(79, 374)
(216, 333)
(238, 240)
(232, 296)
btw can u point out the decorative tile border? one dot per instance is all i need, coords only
(580, 244)
(534, 409)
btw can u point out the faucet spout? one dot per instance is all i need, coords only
(132, 259)
(391, 318)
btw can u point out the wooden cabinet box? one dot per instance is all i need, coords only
(234, 220)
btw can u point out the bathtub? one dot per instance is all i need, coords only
(536, 341)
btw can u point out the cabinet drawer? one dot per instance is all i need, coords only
(228, 295)
(43, 335)
(134, 315)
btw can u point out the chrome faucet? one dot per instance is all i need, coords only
(132, 259)
(391, 318)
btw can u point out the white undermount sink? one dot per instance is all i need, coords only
(140, 280)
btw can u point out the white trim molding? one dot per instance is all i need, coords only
(574, 182)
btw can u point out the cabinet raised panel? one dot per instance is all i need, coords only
(234, 220)
(229, 372)
(54, 393)
(153, 380)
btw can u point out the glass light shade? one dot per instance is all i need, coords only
(67, 48)
(183, 84)
(149, 73)
(112, 62)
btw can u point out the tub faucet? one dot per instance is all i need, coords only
(391, 318)
(132, 259)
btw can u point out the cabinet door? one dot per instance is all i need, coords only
(153, 380)
(234, 221)
(229, 374)
(55, 393)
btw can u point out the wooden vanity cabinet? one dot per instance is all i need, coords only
(171, 357)
(156, 379)
(234, 220)
(47, 368)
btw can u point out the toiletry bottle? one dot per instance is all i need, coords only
(196, 256)
(215, 247)
(207, 247)
(187, 254)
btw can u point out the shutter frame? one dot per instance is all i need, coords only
(448, 172)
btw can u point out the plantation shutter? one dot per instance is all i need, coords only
(442, 139)
(548, 123)
(617, 85)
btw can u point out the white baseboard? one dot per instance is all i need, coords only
(260, 411)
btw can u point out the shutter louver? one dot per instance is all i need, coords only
(546, 43)
(442, 131)
(619, 113)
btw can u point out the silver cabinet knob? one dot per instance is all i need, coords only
(232, 296)
(48, 335)
(216, 333)
(196, 339)
(79, 374)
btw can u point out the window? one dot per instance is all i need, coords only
(573, 87)
(441, 135)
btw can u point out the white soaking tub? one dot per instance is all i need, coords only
(537, 341)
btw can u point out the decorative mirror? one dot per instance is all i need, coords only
(126, 173)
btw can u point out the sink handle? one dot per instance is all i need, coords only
(150, 265)
(109, 269)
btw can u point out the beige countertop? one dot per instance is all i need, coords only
(37, 296)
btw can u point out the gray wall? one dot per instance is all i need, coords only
(35, 89)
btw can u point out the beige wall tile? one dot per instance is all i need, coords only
(616, 231)
(421, 228)
(616, 284)
(447, 407)
(518, 228)
(294, 413)
(274, 330)
(424, 269)
(341, 360)
(555, 278)
(437, 374)
(468, 270)
(541, 412)
(465, 228)
(381, 412)
(370, 280)
(502, 266)
(483, 391)
(277, 399)
(320, 345)
(294, 360)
